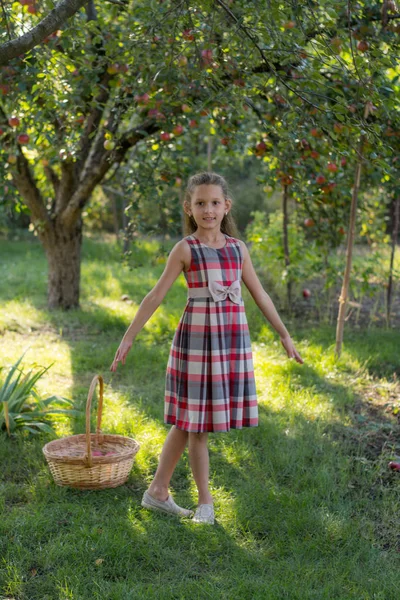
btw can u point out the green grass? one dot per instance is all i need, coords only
(306, 506)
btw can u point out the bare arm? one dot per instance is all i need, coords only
(265, 304)
(177, 260)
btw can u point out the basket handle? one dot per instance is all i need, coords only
(99, 379)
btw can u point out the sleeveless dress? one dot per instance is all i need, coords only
(210, 377)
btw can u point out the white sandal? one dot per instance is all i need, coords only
(204, 514)
(166, 506)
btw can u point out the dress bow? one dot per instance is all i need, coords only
(221, 292)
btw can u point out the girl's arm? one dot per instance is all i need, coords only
(265, 304)
(178, 259)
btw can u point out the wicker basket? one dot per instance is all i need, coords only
(91, 461)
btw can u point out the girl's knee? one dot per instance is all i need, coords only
(198, 438)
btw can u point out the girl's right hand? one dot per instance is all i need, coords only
(121, 354)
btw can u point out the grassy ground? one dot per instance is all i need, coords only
(306, 506)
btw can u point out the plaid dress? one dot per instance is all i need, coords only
(210, 378)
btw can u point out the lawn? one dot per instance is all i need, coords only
(306, 505)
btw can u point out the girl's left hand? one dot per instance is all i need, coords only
(287, 343)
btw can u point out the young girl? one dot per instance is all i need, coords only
(210, 379)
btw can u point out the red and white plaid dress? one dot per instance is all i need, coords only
(210, 378)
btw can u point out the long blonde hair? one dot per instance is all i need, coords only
(228, 224)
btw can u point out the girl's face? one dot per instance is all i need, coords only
(208, 206)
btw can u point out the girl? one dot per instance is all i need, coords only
(210, 379)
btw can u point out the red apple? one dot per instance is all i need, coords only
(309, 222)
(320, 179)
(225, 141)
(23, 138)
(4, 89)
(32, 9)
(289, 24)
(193, 123)
(338, 127)
(178, 130)
(314, 132)
(187, 34)
(261, 148)
(13, 121)
(332, 167)
(165, 136)
(362, 46)
(286, 180)
(80, 119)
(1, 131)
(306, 293)
(207, 56)
(186, 108)
(341, 231)
(394, 465)
(343, 162)
(144, 99)
(314, 154)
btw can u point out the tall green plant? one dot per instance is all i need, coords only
(21, 407)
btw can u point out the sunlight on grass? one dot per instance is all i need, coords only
(21, 316)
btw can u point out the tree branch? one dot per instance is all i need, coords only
(53, 21)
(26, 185)
(98, 163)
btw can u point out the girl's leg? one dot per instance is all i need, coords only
(199, 463)
(172, 450)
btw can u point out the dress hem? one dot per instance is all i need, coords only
(171, 422)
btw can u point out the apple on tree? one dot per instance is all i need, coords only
(13, 122)
(109, 145)
(178, 129)
(362, 46)
(23, 138)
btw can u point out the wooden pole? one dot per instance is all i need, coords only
(286, 250)
(395, 234)
(350, 242)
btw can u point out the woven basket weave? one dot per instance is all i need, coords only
(91, 461)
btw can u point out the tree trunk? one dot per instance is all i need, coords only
(349, 254)
(350, 238)
(63, 250)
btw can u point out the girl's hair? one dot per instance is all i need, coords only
(228, 224)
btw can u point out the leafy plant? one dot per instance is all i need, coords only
(21, 407)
